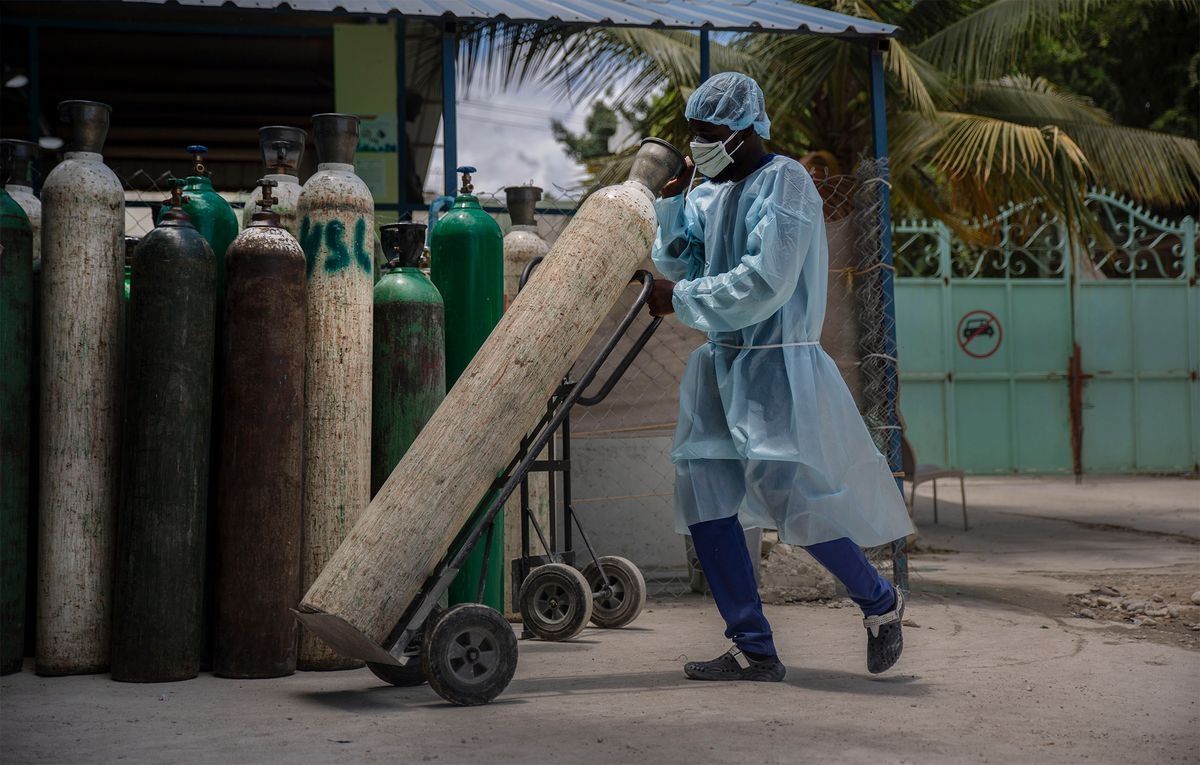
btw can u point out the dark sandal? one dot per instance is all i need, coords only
(735, 665)
(885, 641)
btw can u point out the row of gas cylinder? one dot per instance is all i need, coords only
(182, 454)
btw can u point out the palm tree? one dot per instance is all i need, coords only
(969, 130)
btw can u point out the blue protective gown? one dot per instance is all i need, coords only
(751, 261)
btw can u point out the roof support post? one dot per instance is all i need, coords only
(449, 108)
(878, 107)
(35, 87)
(704, 60)
(401, 31)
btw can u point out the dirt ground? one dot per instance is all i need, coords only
(1000, 666)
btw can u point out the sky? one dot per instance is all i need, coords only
(505, 134)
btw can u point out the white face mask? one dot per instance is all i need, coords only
(712, 158)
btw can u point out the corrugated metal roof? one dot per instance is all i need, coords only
(718, 15)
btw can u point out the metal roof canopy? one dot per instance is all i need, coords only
(714, 15)
(705, 16)
(779, 16)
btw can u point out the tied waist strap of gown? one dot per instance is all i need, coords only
(764, 347)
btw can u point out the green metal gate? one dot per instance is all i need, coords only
(1015, 357)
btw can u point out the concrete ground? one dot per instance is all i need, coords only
(998, 668)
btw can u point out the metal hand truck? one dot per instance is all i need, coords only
(468, 652)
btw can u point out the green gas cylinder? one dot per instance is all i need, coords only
(131, 243)
(210, 214)
(17, 172)
(467, 266)
(16, 325)
(408, 377)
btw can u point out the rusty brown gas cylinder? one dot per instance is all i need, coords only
(262, 453)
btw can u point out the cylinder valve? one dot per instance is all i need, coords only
(198, 151)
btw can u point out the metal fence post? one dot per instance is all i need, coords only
(880, 152)
(449, 109)
(401, 31)
(35, 101)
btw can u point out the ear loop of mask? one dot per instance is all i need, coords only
(725, 143)
(691, 179)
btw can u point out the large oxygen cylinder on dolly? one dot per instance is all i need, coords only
(522, 245)
(159, 584)
(337, 224)
(409, 367)
(467, 266)
(83, 220)
(262, 453)
(376, 573)
(282, 149)
(16, 339)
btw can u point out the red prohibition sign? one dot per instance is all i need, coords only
(979, 324)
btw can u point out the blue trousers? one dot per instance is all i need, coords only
(721, 549)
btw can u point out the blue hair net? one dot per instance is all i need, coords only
(731, 99)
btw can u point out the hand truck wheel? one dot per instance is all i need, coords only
(622, 600)
(555, 602)
(409, 673)
(470, 654)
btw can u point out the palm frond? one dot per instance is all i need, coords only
(916, 191)
(1154, 168)
(987, 43)
(913, 137)
(922, 85)
(800, 66)
(1020, 98)
(863, 9)
(502, 53)
(957, 150)
(584, 63)
(921, 19)
(980, 163)
(980, 146)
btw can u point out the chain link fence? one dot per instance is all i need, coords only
(879, 373)
(623, 478)
(144, 197)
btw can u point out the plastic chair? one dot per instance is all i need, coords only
(917, 474)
